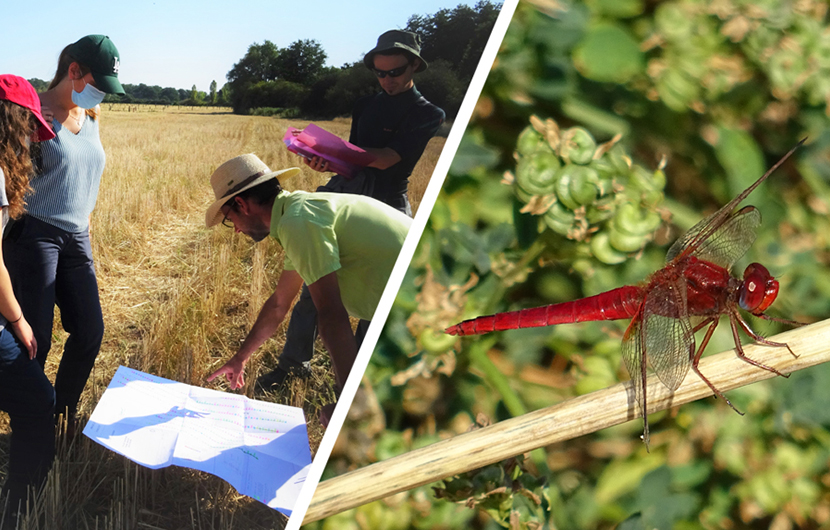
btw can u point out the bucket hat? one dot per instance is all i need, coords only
(101, 56)
(399, 40)
(237, 175)
(17, 90)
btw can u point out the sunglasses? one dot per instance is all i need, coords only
(395, 72)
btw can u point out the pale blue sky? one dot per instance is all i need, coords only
(180, 43)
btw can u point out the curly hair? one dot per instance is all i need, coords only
(16, 126)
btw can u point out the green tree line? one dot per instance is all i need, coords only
(296, 79)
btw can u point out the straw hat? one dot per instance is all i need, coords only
(237, 175)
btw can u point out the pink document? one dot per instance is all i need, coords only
(344, 158)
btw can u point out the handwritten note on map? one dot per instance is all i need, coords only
(260, 448)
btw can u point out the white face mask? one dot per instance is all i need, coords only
(88, 98)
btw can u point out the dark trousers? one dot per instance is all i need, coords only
(50, 266)
(302, 332)
(302, 328)
(29, 399)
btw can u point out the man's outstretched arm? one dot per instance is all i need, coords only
(334, 326)
(270, 317)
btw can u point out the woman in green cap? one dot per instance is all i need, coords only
(48, 250)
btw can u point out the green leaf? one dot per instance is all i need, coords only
(608, 53)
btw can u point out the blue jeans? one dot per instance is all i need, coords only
(50, 266)
(29, 399)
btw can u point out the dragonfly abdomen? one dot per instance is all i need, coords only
(610, 305)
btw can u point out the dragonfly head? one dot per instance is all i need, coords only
(758, 290)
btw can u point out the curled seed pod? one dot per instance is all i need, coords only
(577, 146)
(601, 210)
(536, 174)
(677, 89)
(618, 160)
(529, 141)
(632, 220)
(559, 219)
(626, 242)
(606, 171)
(577, 186)
(652, 199)
(584, 186)
(646, 180)
(602, 250)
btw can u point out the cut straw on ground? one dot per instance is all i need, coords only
(561, 422)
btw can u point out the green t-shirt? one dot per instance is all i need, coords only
(357, 237)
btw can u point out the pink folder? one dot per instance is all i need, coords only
(344, 158)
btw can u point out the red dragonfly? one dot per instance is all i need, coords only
(691, 292)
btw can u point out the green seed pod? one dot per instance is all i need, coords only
(584, 186)
(631, 220)
(647, 180)
(601, 210)
(529, 141)
(604, 252)
(577, 146)
(604, 167)
(565, 177)
(536, 175)
(626, 242)
(618, 160)
(677, 89)
(559, 219)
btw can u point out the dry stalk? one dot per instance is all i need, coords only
(564, 421)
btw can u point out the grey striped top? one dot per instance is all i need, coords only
(66, 187)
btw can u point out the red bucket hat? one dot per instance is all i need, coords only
(17, 90)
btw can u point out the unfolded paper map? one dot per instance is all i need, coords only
(260, 448)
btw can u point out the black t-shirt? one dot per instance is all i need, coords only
(404, 123)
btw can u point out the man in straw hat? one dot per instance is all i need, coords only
(395, 125)
(343, 247)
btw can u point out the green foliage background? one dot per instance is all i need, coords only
(720, 90)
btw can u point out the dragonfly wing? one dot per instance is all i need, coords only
(721, 238)
(669, 340)
(633, 358)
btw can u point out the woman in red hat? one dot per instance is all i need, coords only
(25, 392)
(48, 251)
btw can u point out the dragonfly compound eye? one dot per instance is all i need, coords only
(759, 289)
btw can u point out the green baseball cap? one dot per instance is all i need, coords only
(99, 54)
(396, 40)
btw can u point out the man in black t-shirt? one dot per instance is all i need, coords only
(395, 125)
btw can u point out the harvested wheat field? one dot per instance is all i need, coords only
(178, 299)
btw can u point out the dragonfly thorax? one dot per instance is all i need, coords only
(758, 290)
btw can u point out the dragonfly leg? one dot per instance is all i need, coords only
(713, 323)
(781, 320)
(736, 320)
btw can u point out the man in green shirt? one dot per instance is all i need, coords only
(342, 246)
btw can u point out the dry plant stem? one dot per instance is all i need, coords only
(564, 421)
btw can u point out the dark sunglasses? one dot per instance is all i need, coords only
(395, 72)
